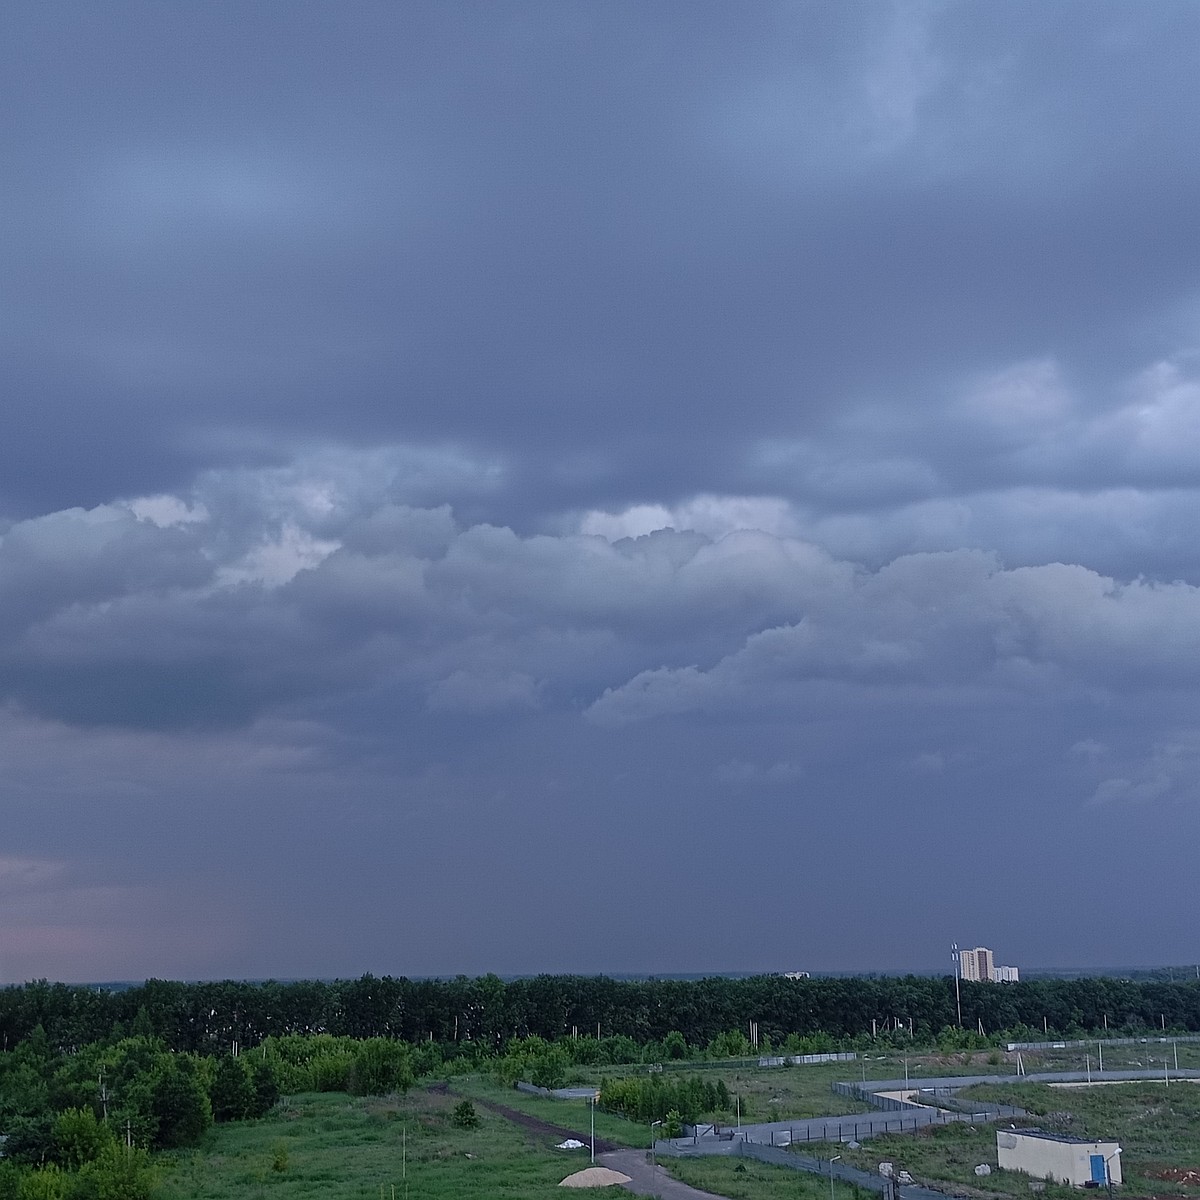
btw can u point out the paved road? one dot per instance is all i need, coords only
(645, 1181)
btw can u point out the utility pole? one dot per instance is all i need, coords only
(957, 997)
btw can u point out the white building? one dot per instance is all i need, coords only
(979, 965)
(1057, 1157)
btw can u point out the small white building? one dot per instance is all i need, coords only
(1058, 1157)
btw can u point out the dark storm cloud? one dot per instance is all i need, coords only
(443, 438)
(379, 223)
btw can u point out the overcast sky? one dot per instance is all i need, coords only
(609, 486)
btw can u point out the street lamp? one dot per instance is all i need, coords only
(1108, 1173)
(834, 1159)
(653, 1158)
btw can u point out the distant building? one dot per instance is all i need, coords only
(1055, 1156)
(979, 965)
(795, 975)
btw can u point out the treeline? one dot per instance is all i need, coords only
(480, 1016)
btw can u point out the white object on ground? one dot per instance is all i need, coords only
(569, 1144)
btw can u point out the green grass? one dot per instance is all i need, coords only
(570, 1114)
(339, 1147)
(755, 1180)
(941, 1156)
(1157, 1125)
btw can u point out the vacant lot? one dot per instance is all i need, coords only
(1157, 1125)
(335, 1147)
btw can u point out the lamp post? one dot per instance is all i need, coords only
(834, 1159)
(653, 1158)
(593, 1130)
(1108, 1173)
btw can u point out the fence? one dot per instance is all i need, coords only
(1130, 1041)
(800, 1060)
(802, 1162)
(853, 1127)
(858, 1091)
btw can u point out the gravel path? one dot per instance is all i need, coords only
(645, 1180)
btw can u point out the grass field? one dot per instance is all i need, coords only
(338, 1147)
(757, 1181)
(571, 1114)
(944, 1157)
(1157, 1125)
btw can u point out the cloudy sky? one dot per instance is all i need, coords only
(597, 486)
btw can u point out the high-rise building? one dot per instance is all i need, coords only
(977, 964)
(980, 965)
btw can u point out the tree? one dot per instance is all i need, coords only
(266, 1087)
(179, 1105)
(77, 1138)
(46, 1183)
(675, 1045)
(549, 1069)
(465, 1116)
(381, 1066)
(233, 1092)
(117, 1173)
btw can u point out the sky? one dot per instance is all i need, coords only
(611, 486)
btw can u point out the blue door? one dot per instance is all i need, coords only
(1098, 1169)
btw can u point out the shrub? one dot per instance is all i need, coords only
(465, 1116)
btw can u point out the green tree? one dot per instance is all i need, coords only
(46, 1183)
(675, 1045)
(179, 1105)
(464, 1115)
(117, 1173)
(549, 1069)
(380, 1066)
(77, 1138)
(233, 1094)
(266, 1087)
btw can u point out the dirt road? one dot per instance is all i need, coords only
(644, 1180)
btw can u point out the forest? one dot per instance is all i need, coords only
(481, 1015)
(93, 1079)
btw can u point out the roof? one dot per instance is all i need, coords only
(1058, 1137)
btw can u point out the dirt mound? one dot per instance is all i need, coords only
(594, 1177)
(1188, 1175)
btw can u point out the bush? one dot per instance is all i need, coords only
(118, 1173)
(465, 1116)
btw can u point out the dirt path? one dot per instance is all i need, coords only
(644, 1179)
(533, 1124)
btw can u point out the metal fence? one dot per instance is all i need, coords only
(802, 1162)
(1129, 1041)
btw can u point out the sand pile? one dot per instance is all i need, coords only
(594, 1177)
